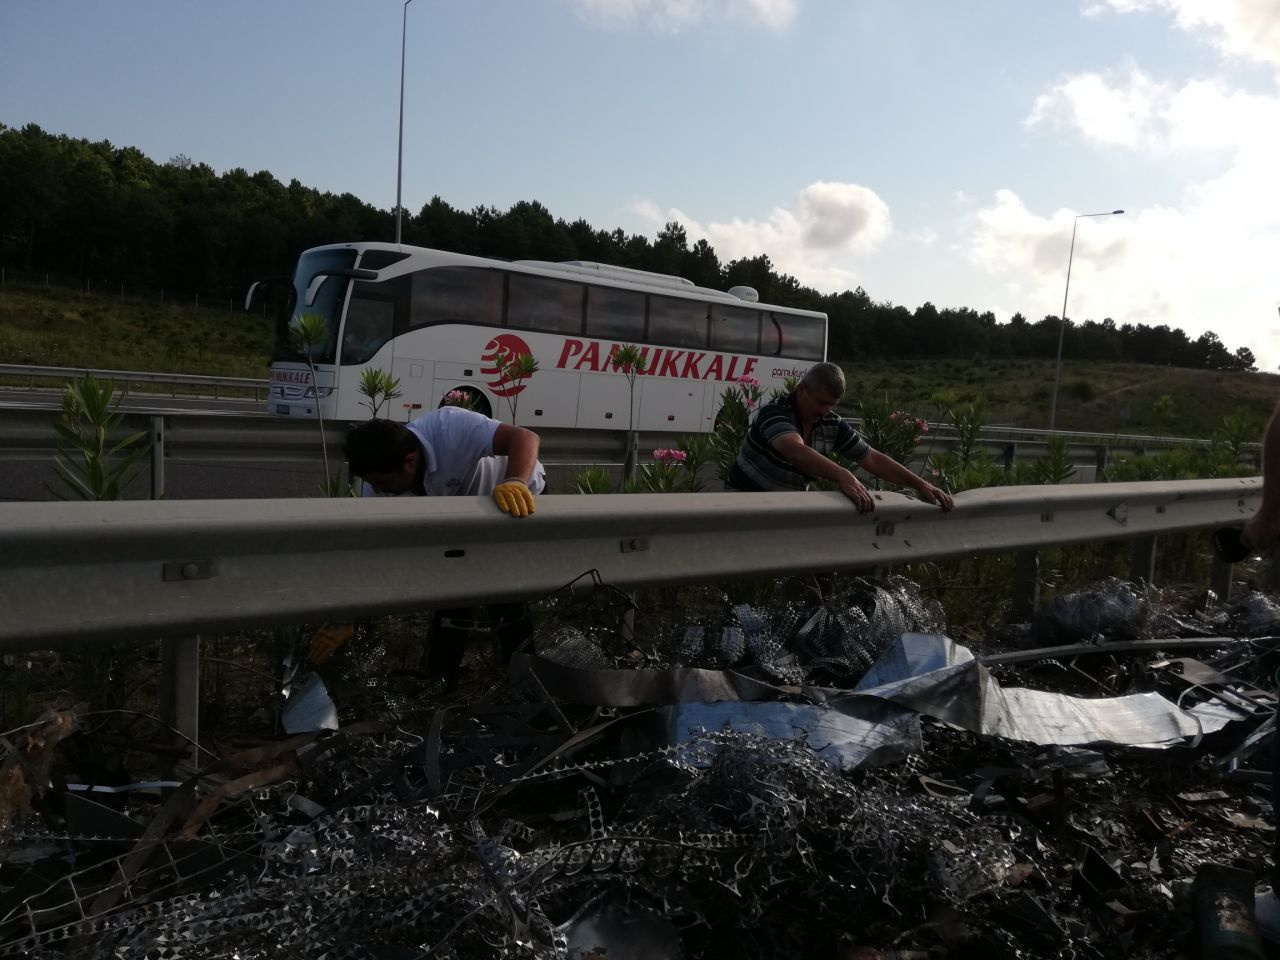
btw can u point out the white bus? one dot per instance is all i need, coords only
(439, 322)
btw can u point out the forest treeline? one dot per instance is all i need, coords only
(110, 215)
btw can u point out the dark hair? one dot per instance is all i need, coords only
(825, 376)
(378, 446)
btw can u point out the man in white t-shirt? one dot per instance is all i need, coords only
(449, 452)
(454, 452)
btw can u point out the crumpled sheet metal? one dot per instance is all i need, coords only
(913, 655)
(310, 708)
(640, 687)
(848, 735)
(967, 695)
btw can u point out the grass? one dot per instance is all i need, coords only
(1095, 396)
(51, 326)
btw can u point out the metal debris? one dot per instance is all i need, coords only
(754, 780)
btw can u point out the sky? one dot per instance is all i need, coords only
(926, 150)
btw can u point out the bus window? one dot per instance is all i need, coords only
(615, 314)
(456, 295)
(677, 323)
(735, 330)
(536, 303)
(370, 322)
(800, 337)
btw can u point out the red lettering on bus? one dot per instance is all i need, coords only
(571, 349)
(714, 372)
(733, 365)
(691, 362)
(590, 357)
(749, 366)
(669, 368)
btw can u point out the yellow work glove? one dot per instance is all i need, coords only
(513, 497)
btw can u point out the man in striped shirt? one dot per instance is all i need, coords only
(790, 441)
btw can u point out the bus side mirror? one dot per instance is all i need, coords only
(248, 297)
(257, 287)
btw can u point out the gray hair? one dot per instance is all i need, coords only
(824, 377)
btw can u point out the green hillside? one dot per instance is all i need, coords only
(52, 326)
(57, 327)
(1094, 396)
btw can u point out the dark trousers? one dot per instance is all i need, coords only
(508, 623)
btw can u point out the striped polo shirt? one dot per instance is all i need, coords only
(760, 467)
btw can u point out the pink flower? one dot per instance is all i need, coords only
(749, 381)
(669, 456)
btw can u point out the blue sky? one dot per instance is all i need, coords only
(924, 149)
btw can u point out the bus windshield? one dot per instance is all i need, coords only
(314, 293)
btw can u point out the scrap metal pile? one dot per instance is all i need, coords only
(825, 779)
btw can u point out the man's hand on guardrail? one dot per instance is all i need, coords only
(931, 494)
(513, 497)
(852, 488)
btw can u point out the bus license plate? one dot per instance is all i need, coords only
(282, 409)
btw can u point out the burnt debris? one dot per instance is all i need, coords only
(824, 774)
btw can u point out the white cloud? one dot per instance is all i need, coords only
(677, 15)
(1105, 113)
(925, 236)
(1249, 29)
(1195, 268)
(813, 241)
(1139, 113)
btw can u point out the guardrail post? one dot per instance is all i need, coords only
(1103, 454)
(1026, 585)
(180, 690)
(1010, 452)
(1142, 562)
(157, 458)
(1220, 579)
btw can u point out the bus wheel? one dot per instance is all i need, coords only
(476, 400)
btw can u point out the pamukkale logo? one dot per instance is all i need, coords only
(499, 355)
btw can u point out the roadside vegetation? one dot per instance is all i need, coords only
(57, 327)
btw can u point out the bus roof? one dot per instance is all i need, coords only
(624, 277)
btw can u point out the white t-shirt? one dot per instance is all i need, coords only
(460, 462)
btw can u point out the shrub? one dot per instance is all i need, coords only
(594, 479)
(1082, 390)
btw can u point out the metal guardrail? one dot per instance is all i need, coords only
(72, 572)
(25, 432)
(173, 380)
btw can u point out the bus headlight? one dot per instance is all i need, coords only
(318, 392)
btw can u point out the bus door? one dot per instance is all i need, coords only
(603, 401)
(670, 403)
(417, 385)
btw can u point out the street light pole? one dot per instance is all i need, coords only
(1062, 325)
(404, 25)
